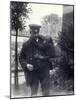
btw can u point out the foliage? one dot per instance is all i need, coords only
(51, 24)
(66, 40)
(66, 43)
(19, 12)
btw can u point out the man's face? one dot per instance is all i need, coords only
(34, 31)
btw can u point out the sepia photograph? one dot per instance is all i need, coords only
(41, 49)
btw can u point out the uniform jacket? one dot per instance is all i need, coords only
(37, 51)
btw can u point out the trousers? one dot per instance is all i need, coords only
(35, 77)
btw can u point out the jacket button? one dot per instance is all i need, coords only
(30, 58)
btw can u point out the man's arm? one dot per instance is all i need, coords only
(23, 58)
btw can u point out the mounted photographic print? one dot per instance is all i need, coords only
(41, 49)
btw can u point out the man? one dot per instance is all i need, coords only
(34, 59)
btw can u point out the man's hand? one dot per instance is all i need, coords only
(30, 67)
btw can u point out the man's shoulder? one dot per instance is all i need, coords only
(26, 43)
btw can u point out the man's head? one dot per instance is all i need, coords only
(34, 29)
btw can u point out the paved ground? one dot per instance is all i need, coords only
(23, 91)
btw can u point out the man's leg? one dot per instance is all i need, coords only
(34, 86)
(45, 84)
